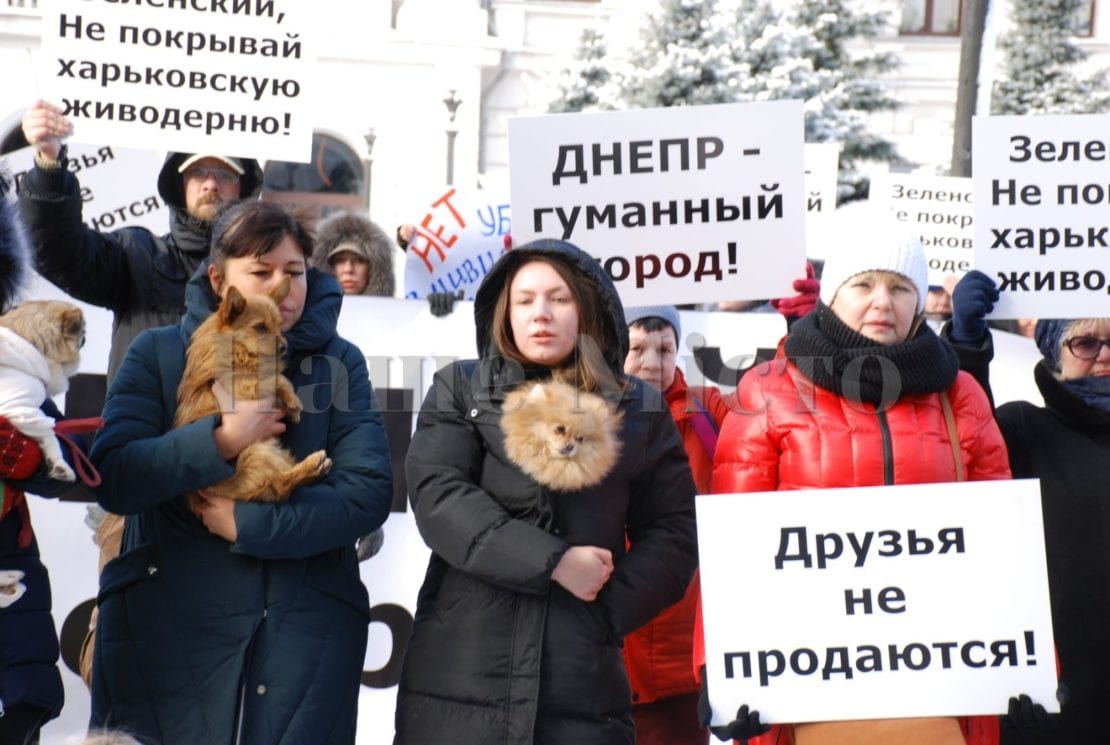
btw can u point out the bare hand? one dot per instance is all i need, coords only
(45, 127)
(218, 515)
(244, 423)
(583, 571)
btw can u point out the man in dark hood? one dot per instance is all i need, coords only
(139, 276)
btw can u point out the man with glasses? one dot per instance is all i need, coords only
(139, 276)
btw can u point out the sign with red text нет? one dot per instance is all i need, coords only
(687, 204)
(876, 602)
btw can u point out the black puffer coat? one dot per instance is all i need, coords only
(500, 654)
(1065, 444)
(137, 275)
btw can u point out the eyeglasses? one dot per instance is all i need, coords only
(222, 175)
(1086, 347)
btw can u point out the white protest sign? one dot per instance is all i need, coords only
(822, 161)
(224, 77)
(681, 205)
(939, 208)
(879, 602)
(1040, 221)
(118, 185)
(457, 240)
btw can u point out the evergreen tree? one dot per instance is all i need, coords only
(588, 84)
(1040, 57)
(845, 88)
(685, 58)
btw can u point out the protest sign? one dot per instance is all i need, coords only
(457, 240)
(876, 602)
(939, 209)
(118, 188)
(219, 77)
(822, 161)
(1040, 220)
(681, 205)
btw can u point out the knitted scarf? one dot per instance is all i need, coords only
(842, 361)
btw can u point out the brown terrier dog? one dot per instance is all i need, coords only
(240, 346)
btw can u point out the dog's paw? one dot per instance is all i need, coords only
(320, 462)
(61, 472)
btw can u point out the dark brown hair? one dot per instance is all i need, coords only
(254, 228)
(586, 368)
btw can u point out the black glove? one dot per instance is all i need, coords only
(973, 297)
(746, 724)
(1023, 714)
(442, 303)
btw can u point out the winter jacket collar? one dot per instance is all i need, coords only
(316, 327)
(849, 364)
(1067, 406)
(19, 354)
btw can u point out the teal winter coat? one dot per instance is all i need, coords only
(261, 641)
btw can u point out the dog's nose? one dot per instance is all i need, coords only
(568, 448)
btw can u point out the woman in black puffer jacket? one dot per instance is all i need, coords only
(529, 589)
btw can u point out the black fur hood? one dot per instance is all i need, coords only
(15, 251)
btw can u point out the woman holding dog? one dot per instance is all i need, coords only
(859, 398)
(529, 588)
(246, 623)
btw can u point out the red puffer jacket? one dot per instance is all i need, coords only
(658, 655)
(786, 433)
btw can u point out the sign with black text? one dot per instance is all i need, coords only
(215, 77)
(1041, 230)
(877, 602)
(687, 204)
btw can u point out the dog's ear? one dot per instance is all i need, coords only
(73, 322)
(281, 291)
(233, 306)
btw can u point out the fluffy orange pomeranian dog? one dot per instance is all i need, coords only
(240, 346)
(564, 438)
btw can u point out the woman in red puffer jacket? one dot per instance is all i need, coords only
(832, 412)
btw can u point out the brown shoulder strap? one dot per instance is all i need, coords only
(953, 436)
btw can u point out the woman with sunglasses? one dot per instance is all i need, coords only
(1065, 444)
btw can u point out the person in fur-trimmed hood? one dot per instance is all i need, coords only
(357, 252)
(139, 276)
(530, 588)
(30, 685)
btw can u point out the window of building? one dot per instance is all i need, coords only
(333, 179)
(930, 17)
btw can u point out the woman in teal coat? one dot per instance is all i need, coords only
(246, 624)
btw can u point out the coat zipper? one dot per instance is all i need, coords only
(888, 449)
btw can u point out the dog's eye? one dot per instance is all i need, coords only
(260, 327)
(579, 438)
(82, 341)
(560, 429)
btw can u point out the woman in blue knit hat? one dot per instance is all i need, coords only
(1065, 444)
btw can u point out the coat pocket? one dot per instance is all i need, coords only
(140, 564)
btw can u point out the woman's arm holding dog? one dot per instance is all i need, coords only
(143, 462)
(351, 501)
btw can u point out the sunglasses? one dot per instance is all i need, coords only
(222, 175)
(1086, 347)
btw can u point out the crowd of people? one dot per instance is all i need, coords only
(548, 613)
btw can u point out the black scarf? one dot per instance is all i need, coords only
(846, 363)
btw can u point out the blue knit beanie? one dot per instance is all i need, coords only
(1048, 334)
(668, 313)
